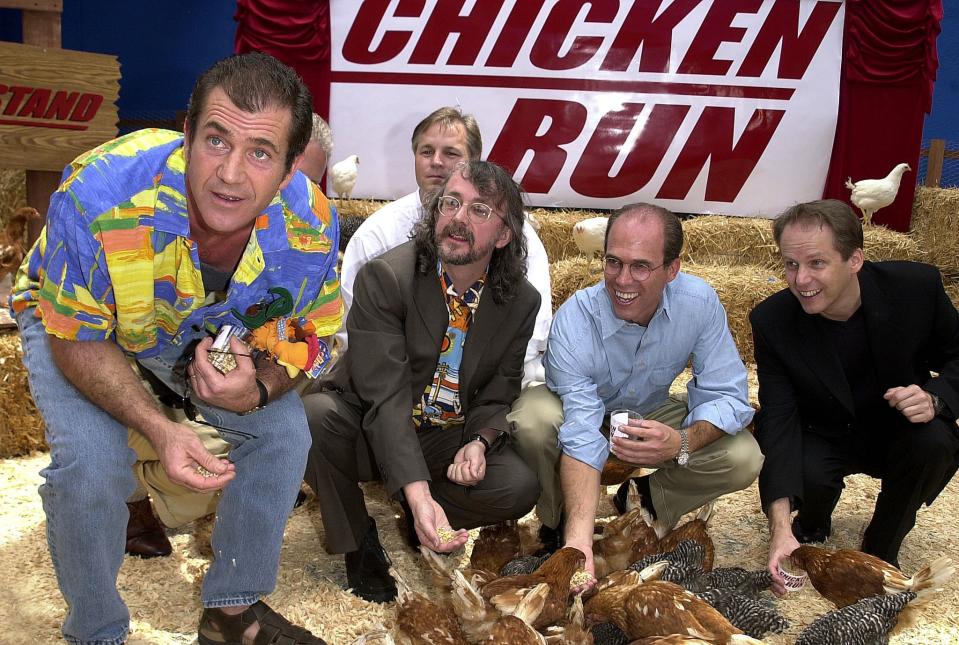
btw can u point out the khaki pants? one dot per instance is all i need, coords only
(728, 464)
(175, 504)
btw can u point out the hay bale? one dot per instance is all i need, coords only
(21, 428)
(720, 240)
(556, 231)
(935, 226)
(572, 274)
(727, 241)
(884, 244)
(740, 288)
(358, 207)
(952, 290)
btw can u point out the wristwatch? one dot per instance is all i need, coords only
(483, 440)
(938, 405)
(264, 398)
(683, 457)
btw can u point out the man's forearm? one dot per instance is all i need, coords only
(113, 386)
(779, 513)
(580, 483)
(702, 433)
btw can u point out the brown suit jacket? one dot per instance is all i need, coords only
(396, 325)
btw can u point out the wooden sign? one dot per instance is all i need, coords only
(54, 105)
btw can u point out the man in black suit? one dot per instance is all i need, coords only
(438, 333)
(844, 358)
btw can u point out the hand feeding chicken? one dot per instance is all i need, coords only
(869, 195)
(343, 175)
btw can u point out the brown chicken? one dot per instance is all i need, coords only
(573, 630)
(420, 621)
(608, 597)
(506, 593)
(692, 530)
(623, 537)
(12, 245)
(660, 608)
(847, 576)
(675, 639)
(476, 614)
(495, 546)
(516, 629)
(442, 568)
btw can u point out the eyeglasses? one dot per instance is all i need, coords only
(478, 211)
(613, 266)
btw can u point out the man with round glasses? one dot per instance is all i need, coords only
(438, 332)
(620, 344)
(443, 139)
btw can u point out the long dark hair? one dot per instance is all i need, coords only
(507, 267)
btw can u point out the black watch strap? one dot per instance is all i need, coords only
(264, 398)
(483, 440)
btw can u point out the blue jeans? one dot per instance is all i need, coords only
(89, 480)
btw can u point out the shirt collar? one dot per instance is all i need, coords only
(610, 324)
(470, 297)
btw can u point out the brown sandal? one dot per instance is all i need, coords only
(219, 628)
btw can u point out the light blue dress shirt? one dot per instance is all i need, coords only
(597, 363)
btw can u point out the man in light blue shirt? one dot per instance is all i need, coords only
(620, 344)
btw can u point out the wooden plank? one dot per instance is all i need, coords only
(937, 148)
(41, 28)
(33, 5)
(54, 104)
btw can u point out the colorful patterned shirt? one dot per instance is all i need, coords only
(440, 404)
(115, 259)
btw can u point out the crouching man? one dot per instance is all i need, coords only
(620, 344)
(153, 242)
(438, 332)
(844, 358)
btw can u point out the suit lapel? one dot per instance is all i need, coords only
(822, 360)
(485, 324)
(431, 306)
(879, 329)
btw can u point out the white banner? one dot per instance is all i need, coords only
(699, 106)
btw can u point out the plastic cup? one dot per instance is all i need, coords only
(794, 578)
(619, 418)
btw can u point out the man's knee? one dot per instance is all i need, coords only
(536, 417)
(743, 459)
(932, 443)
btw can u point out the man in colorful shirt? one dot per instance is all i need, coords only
(154, 242)
(438, 331)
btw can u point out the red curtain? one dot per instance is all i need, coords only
(296, 32)
(888, 70)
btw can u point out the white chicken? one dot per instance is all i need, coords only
(869, 195)
(589, 235)
(343, 173)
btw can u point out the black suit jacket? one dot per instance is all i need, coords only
(913, 329)
(396, 326)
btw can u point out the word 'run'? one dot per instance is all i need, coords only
(712, 138)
